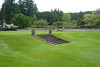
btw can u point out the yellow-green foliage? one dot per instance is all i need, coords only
(92, 19)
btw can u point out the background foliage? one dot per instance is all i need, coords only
(29, 8)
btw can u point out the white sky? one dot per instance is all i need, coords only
(66, 5)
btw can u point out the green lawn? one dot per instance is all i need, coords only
(20, 49)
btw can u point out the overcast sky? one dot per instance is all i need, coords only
(66, 5)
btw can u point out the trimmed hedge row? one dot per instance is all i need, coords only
(8, 29)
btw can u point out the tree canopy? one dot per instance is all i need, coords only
(92, 20)
(9, 8)
(66, 17)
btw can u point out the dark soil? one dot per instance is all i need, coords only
(52, 39)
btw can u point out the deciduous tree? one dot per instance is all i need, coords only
(20, 20)
(66, 17)
(92, 20)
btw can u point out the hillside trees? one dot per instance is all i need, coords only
(76, 16)
(10, 9)
(53, 16)
(96, 12)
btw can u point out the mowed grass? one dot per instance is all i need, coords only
(20, 49)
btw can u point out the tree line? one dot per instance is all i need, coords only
(25, 13)
(10, 8)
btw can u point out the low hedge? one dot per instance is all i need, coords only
(8, 29)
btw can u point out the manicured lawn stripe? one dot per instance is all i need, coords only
(20, 49)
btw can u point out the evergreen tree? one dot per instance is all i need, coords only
(51, 17)
(28, 7)
(9, 7)
(76, 16)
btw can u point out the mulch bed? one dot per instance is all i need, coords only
(52, 39)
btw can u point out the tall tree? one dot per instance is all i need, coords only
(9, 7)
(28, 7)
(32, 19)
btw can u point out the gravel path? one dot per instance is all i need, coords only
(65, 30)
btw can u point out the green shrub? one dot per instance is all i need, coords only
(41, 23)
(21, 20)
